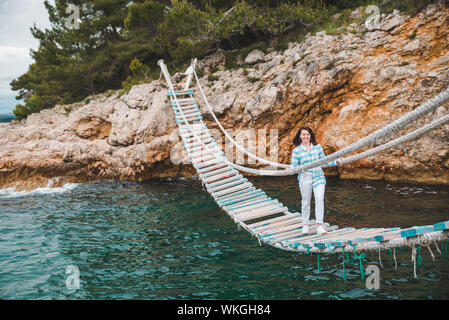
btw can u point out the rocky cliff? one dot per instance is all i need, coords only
(345, 86)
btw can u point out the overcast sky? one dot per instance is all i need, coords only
(16, 18)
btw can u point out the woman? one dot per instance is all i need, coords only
(308, 150)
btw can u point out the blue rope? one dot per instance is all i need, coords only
(344, 271)
(318, 262)
(360, 257)
(444, 248)
(419, 259)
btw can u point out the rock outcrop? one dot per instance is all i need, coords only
(345, 86)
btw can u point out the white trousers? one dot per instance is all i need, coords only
(306, 187)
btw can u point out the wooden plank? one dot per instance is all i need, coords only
(254, 226)
(257, 202)
(193, 129)
(224, 180)
(364, 238)
(291, 234)
(256, 207)
(206, 159)
(441, 226)
(242, 198)
(206, 146)
(232, 202)
(188, 106)
(299, 234)
(190, 121)
(270, 227)
(388, 235)
(258, 198)
(226, 186)
(343, 241)
(188, 114)
(309, 240)
(281, 228)
(233, 199)
(182, 92)
(198, 143)
(232, 190)
(232, 196)
(415, 231)
(221, 176)
(204, 176)
(245, 204)
(191, 139)
(182, 100)
(186, 110)
(352, 242)
(299, 240)
(206, 166)
(260, 214)
(202, 153)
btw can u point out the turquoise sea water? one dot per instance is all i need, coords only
(167, 239)
(6, 117)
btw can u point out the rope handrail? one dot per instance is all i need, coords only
(276, 164)
(381, 133)
(392, 127)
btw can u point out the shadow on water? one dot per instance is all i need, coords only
(167, 239)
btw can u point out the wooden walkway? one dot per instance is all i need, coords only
(267, 219)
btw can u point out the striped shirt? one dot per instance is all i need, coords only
(301, 156)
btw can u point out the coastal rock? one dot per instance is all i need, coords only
(254, 56)
(343, 86)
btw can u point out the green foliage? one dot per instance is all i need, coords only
(253, 79)
(300, 59)
(329, 66)
(212, 78)
(117, 40)
(139, 74)
(214, 69)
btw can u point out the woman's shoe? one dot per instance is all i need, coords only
(305, 229)
(320, 230)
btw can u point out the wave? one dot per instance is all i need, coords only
(12, 193)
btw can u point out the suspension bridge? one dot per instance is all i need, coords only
(268, 220)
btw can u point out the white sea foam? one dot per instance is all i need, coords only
(12, 193)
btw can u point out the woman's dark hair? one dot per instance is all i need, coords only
(297, 140)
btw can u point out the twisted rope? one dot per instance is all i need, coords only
(396, 125)
(381, 133)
